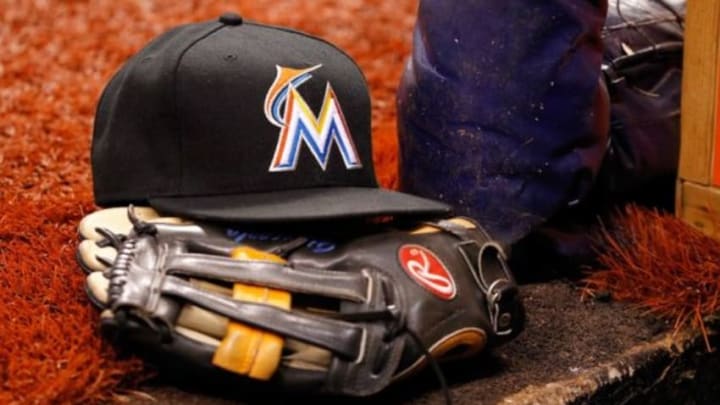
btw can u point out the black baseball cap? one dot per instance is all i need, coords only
(231, 120)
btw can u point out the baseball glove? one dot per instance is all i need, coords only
(642, 66)
(347, 315)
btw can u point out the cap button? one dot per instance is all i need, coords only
(230, 19)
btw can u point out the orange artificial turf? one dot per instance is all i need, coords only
(661, 264)
(55, 58)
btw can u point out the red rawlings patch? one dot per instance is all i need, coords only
(427, 270)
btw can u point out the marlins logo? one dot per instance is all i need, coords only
(287, 109)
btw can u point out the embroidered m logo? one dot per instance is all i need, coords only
(299, 125)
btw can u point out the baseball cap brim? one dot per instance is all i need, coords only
(301, 205)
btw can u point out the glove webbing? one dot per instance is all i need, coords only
(343, 285)
(246, 350)
(340, 337)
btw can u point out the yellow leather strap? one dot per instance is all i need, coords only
(433, 229)
(247, 350)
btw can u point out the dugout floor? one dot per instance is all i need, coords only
(572, 351)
